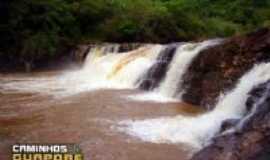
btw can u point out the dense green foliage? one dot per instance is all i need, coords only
(32, 29)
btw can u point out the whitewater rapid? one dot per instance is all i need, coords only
(198, 131)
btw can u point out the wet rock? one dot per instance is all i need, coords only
(252, 141)
(217, 69)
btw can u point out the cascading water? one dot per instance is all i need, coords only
(104, 68)
(198, 131)
(259, 101)
(165, 84)
(153, 76)
(159, 66)
(179, 65)
(118, 70)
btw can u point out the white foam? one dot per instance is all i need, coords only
(152, 97)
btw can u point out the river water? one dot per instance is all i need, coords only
(29, 114)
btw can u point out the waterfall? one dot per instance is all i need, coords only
(198, 131)
(259, 101)
(180, 64)
(100, 50)
(150, 67)
(165, 76)
(153, 67)
(157, 72)
(104, 68)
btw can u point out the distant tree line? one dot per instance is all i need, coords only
(40, 29)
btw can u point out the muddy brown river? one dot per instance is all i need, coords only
(87, 118)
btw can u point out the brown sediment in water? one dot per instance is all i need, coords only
(86, 119)
(127, 59)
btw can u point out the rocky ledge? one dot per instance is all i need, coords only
(218, 68)
(251, 137)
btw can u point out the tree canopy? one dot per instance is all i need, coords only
(32, 29)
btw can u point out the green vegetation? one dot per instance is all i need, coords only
(36, 29)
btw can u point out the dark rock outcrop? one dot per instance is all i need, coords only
(251, 140)
(218, 68)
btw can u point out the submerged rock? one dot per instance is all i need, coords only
(249, 142)
(217, 69)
